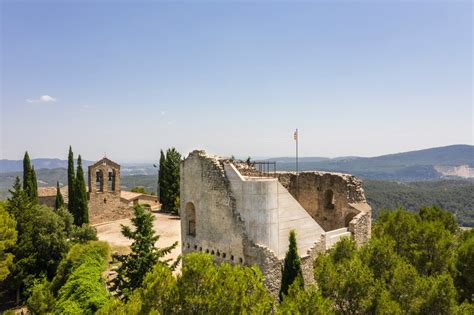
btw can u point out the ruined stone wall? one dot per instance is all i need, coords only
(218, 228)
(311, 189)
(361, 226)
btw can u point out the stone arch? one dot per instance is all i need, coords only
(99, 181)
(191, 218)
(329, 199)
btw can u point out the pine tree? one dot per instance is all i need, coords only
(144, 255)
(81, 207)
(291, 270)
(59, 203)
(71, 179)
(18, 201)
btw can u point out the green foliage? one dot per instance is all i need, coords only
(41, 300)
(407, 267)
(168, 180)
(291, 270)
(71, 181)
(8, 237)
(139, 189)
(41, 244)
(30, 184)
(134, 266)
(59, 202)
(304, 301)
(83, 234)
(84, 290)
(465, 266)
(202, 288)
(424, 242)
(77, 255)
(19, 200)
(81, 207)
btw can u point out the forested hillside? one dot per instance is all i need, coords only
(456, 196)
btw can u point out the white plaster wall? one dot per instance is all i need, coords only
(270, 212)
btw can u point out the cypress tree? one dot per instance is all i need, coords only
(169, 180)
(34, 186)
(161, 173)
(291, 270)
(30, 185)
(173, 160)
(71, 178)
(81, 215)
(59, 203)
(26, 171)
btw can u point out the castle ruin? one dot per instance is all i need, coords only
(240, 215)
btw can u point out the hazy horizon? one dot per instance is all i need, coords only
(118, 159)
(356, 78)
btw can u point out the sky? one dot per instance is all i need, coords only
(127, 79)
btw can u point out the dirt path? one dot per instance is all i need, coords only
(167, 226)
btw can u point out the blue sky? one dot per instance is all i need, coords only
(128, 78)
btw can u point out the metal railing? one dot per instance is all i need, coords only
(265, 168)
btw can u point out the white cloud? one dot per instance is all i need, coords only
(43, 99)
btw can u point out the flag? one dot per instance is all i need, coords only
(295, 135)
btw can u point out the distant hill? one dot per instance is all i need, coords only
(408, 166)
(41, 163)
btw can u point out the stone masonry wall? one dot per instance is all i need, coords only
(218, 229)
(311, 190)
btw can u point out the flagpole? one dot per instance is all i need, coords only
(297, 173)
(297, 136)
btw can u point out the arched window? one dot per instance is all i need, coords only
(99, 181)
(191, 217)
(111, 177)
(329, 199)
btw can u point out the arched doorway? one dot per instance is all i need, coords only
(191, 217)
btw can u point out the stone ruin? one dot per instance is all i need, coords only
(240, 215)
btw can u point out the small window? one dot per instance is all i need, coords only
(195, 247)
(232, 257)
(223, 255)
(241, 260)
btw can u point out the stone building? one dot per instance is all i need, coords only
(104, 192)
(240, 215)
(47, 195)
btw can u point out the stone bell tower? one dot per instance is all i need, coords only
(104, 189)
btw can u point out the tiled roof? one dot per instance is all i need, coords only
(128, 195)
(51, 192)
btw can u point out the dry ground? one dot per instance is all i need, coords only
(167, 226)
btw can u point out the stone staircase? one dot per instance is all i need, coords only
(332, 237)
